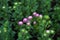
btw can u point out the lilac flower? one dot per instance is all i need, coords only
(30, 17)
(25, 20)
(20, 23)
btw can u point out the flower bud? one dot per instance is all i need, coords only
(34, 13)
(25, 20)
(30, 17)
(28, 23)
(37, 15)
(34, 22)
(20, 23)
(52, 31)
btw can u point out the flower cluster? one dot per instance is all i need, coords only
(27, 20)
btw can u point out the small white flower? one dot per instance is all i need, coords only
(47, 31)
(16, 3)
(28, 23)
(34, 22)
(3, 7)
(40, 16)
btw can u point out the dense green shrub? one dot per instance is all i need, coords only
(46, 26)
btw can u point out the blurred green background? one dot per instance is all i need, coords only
(13, 11)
